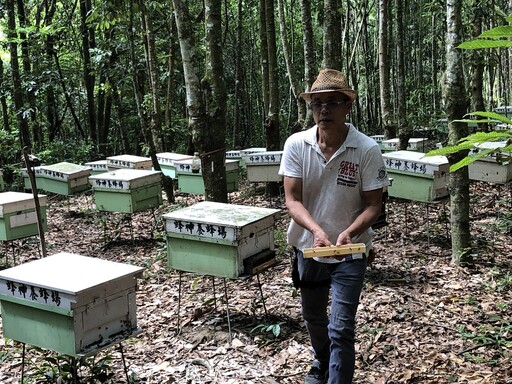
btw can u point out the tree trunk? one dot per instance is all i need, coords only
(404, 129)
(332, 35)
(264, 57)
(272, 121)
(16, 77)
(295, 85)
(310, 70)
(477, 64)
(214, 138)
(89, 79)
(384, 83)
(237, 97)
(456, 106)
(37, 136)
(196, 104)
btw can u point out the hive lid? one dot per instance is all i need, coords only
(415, 162)
(18, 201)
(222, 214)
(63, 171)
(168, 158)
(129, 161)
(185, 166)
(268, 157)
(125, 178)
(248, 151)
(68, 273)
(98, 164)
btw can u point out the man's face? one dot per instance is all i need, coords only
(330, 108)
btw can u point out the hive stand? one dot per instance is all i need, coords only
(221, 240)
(226, 296)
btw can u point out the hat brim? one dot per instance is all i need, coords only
(349, 92)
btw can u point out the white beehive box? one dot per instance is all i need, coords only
(63, 178)
(127, 190)
(420, 144)
(98, 166)
(248, 151)
(166, 161)
(18, 217)
(504, 110)
(128, 161)
(417, 177)
(192, 182)
(69, 303)
(263, 166)
(26, 179)
(215, 238)
(233, 155)
(494, 168)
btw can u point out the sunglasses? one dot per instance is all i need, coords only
(330, 105)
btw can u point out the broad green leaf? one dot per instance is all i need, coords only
(498, 32)
(484, 44)
(492, 115)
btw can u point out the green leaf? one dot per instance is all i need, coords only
(484, 44)
(470, 159)
(492, 115)
(498, 32)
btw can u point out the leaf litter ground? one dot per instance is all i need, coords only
(421, 319)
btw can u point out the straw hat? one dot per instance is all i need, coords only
(330, 80)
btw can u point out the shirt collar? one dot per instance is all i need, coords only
(350, 141)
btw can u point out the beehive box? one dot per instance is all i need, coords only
(98, 166)
(263, 166)
(379, 139)
(495, 168)
(189, 182)
(127, 190)
(128, 161)
(18, 217)
(417, 177)
(166, 161)
(504, 110)
(247, 151)
(215, 238)
(68, 303)
(26, 179)
(419, 144)
(63, 178)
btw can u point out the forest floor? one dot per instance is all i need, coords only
(421, 319)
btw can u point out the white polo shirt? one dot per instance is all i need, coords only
(332, 190)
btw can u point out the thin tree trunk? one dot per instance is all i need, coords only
(456, 106)
(3, 100)
(290, 67)
(272, 120)
(384, 83)
(215, 96)
(89, 79)
(310, 70)
(332, 35)
(16, 77)
(238, 77)
(477, 64)
(37, 136)
(404, 129)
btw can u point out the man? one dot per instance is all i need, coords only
(333, 181)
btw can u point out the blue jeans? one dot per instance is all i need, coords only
(332, 340)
